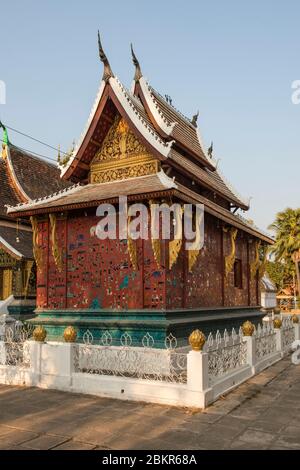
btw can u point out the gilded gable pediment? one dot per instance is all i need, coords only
(121, 156)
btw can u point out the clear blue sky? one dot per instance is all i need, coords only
(234, 61)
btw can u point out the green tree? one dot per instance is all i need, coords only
(280, 273)
(287, 244)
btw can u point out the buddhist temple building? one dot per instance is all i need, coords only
(137, 144)
(24, 177)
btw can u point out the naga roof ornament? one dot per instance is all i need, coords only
(138, 72)
(107, 72)
(195, 119)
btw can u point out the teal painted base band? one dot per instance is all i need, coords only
(159, 324)
(21, 312)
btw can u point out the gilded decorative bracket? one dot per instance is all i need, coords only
(193, 253)
(28, 270)
(132, 249)
(175, 245)
(155, 241)
(229, 259)
(56, 251)
(37, 251)
(254, 266)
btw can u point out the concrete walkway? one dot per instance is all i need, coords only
(263, 413)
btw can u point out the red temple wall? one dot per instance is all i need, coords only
(98, 273)
(206, 285)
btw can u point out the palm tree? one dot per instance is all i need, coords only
(287, 244)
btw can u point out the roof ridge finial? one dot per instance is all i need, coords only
(210, 150)
(107, 72)
(195, 119)
(5, 141)
(138, 72)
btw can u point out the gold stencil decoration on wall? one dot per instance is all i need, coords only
(27, 272)
(155, 240)
(193, 253)
(56, 251)
(37, 251)
(254, 266)
(229, 259)
(175, 245)
(132, 248)
(121, 156)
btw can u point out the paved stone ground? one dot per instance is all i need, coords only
(262, 413)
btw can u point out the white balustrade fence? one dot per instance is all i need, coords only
(177, 376)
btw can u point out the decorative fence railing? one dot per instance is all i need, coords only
(14, 348)
(288, 333)
(145, 362)
(226, 353)
(265, 341)
(193, 376)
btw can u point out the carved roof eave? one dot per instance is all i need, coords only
(222, 213)
(164, 180)
(165, 126)
(246, 203)
(161, 123)
(236, 202)
(17, 185)
(86, 128)
(5, 245)
(52, 197)
(152, 139)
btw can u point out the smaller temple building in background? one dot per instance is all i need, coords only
(23, 178)
(137, 144)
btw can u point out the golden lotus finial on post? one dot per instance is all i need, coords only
(39, 334)
(248, 328)
(70, 334)
(197, 340)
(277, 322)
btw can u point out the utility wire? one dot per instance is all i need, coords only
(33, 138)
(34, 153)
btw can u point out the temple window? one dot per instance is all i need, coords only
(238, 276)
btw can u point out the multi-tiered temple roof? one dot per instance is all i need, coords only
(24, 177)
(183, 167)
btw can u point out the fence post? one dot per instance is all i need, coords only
(35, 354)
(2, 353)
(197, 371)
(251, 351)
(279, 340)
(248, 331)
(297, 331)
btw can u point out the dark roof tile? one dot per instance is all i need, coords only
(24, 246)
(37, 177)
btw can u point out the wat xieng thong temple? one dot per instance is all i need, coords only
(23, 177)
(136, 144)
